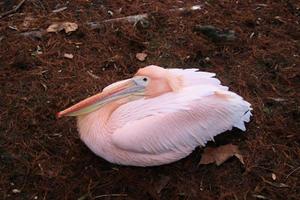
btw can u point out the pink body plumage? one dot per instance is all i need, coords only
(177, 110)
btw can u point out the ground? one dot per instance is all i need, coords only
(43, 158)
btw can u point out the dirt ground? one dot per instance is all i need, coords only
(43, 158)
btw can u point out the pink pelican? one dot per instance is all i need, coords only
(158, 116)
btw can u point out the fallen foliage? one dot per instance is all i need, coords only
(141, 56)
(220, 154)
(59, 26)
(43, 158)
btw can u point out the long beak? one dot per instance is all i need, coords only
(111, 93)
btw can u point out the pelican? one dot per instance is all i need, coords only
(158, 116)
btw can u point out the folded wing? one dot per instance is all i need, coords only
(178, 121)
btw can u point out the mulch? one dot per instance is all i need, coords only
(43, 158)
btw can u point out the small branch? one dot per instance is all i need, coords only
(93, 75)
(131, 19)
(275, 184)
(136, 18)
(292, 172)
(59, 9)
(110, 195)
(15, 9)
(38, 34)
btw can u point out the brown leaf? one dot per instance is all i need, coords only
(220, 154)
(59, 26)
(141, 56)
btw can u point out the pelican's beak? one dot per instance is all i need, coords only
(113, 92)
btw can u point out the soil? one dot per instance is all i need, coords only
(44, 158)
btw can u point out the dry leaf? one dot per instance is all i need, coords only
(68, 55)
(220, 154)
(67, 26)
(141, 56)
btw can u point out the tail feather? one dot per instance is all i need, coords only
(245, 118)
(243, 108)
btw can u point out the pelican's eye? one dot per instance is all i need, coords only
(141, 80)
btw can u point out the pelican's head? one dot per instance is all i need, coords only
(148, 82)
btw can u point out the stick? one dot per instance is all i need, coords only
(291, 173)
(15, 9)
(93, 75)
(110, 195)
(135, 18)
(59, 9)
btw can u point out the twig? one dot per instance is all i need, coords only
(278, 185)
(292, 172)
(59, 9)
(110, 195)
(34, 34)
(15, 9)
(258, 196)
(131, 19)
(136, 18)
(277, 99)
(93, 75)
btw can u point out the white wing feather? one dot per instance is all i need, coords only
(183, 129)
(179, 120)
(194, 77)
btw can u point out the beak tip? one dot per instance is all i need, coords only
(58, 115)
